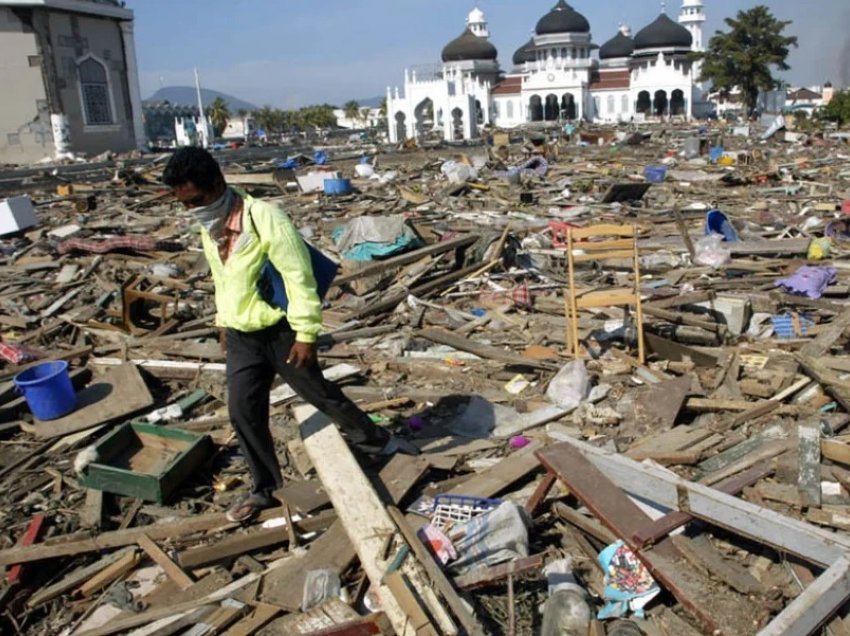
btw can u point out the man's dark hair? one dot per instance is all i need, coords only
(195, 165)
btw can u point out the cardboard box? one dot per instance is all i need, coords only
(16, 214)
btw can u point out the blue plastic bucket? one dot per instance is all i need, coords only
(655, 174)
(47, 389)
(717, 223)
(337, 186)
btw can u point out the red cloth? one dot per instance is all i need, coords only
(521, 296)
(135, 243)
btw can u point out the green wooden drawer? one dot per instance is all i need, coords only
(145, 460)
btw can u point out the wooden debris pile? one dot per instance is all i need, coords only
(722, 463)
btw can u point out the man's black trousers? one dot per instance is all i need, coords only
(253, 359)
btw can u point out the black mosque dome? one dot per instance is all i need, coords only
(562, 19)
(469, 47)
(663, 33)
(525, 53)
(620, 45)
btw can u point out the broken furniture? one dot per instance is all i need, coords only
(143, 310)
(595, 245)
(145, 460)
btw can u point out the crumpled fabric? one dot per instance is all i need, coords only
(135, 243)
(537, 164)
(809, 281)
(368, 236)
(628, 583)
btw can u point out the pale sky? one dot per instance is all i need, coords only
(290, 53)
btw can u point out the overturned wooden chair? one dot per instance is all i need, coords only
(600, 243)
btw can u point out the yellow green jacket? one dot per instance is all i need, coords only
(238, 304)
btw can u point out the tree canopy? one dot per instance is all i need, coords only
(838, 109)
(219, 113)
(276, 120)
(352, 110)
(746, 55)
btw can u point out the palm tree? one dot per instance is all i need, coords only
(352, 110)
(219, 113)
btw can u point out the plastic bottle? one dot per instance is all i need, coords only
(623, 628)
(566, 612)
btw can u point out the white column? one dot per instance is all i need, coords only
(133, 82)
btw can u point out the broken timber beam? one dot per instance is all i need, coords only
(483, 350)
(364, 515)
(471, 624)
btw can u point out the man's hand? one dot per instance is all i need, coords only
(302, 354)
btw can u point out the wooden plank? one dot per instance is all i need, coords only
(171, 569)
(75, 579)
(71, 545)
(418, 620)
(333, 549)
(91, 516)
(14, 573)
(435, 573)
(728, 614)
(364, 516)
(588, 525)
(375, 624)
(332, 613)
(808, 480)
(236, 544)
(486, 575)
(121, 393)
(762, 524)
(494, 480)
(109, 574)
(663, 526)
(816, 604)
(676, 352)
(836, 389)
(824, 341)
(482, 350)
(733, 574)
(174, 612)
(835, 450)
(528, 421)
(261, 614)
(804, 577)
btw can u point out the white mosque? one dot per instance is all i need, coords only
(558, 75)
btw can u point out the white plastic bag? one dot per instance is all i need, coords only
(570, 386)
(709, 251)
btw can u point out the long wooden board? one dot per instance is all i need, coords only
(364, 516)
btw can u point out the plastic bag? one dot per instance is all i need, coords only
(570, 386)
(319, 586)
(492, 538)
(458, 172)
(709, 251)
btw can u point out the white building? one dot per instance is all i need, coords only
(70, 80)
(368, 118)
(558, 75)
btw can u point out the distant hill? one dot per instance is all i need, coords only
(186, 96)
(371, 102)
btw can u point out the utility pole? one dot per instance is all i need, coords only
(202, 120)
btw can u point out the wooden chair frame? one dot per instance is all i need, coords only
(622, 245)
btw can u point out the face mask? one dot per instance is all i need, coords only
(213, 215)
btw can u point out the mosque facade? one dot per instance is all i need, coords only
(559, 75)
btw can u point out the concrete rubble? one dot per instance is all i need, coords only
(721, 465)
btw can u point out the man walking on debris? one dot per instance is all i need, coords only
(238, 233)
